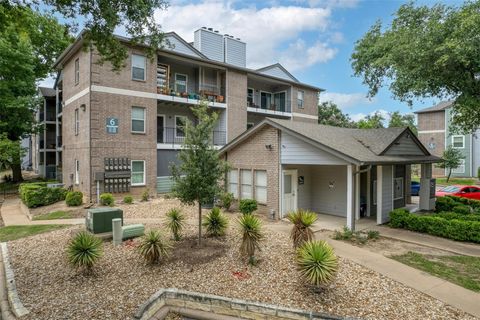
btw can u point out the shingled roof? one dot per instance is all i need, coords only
(47, 92)
(439, 107)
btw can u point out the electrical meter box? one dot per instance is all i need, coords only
(99, 220)
(117, 175)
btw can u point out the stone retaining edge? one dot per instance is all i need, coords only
(25, 210)
(15, 305)
(183, 301)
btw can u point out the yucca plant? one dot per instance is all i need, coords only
(153, 247)
(84, 250)
(251, 236)
(317, 262)
(215, 222)
(175, 222)
(302, 221)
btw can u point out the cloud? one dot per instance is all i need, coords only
(272, 33)
(345, 100)
(384, 113)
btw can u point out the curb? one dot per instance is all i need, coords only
(10, 302)
(5, 311)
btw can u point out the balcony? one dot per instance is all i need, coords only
(50, 145)
(168, 137)
(281, 108)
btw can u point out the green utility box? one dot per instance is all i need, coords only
(133, 231)
(99, 220)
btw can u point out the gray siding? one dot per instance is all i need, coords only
(165, 158)
(179, 46)
(235, 52)
(277, 72)
(476, 152)
(170, 111)
(209, 43)
(295, 151)
(400, 172)
(164, 184)
(387, 192)
(405, 146)
(466, 151)
(325, 199)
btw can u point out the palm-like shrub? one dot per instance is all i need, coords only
(153, 247)
(215, 222)
(84, 250)
(251, 236)
(317, 262)
(302, 221)
(175, 222)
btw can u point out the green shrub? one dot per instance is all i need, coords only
(145, 195)
(128, 199)
(247, 206)
(107, 199)
(84, 250)
(373, 234)
(38, 194)
(175, 222)
(251, 229)
(448, 203)
(226, 200)
(153, 247)
(317, 262)
(444, 204)
(345, 234)
(462, 209)
(460, 230)
(74, 198)
(302, 221)
(215, 222)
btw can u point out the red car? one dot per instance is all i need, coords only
(471, 192)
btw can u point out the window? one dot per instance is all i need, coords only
(300, 97)
(233, 182)
(398, 188)
(280, 98)
(458, 142)
(181, 82)
(246, 176)
(374, 191)
(138, 67)
(77, 122)
(77, 71)
(261, 186)
(180, 124)
(460, 168)
(138, 173)
(138, 119)
(265, 100)
(77, 172)
(250, 97)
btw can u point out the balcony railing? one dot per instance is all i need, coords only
(212, 93)
(282, 106)
(49, 145)
(176, 136)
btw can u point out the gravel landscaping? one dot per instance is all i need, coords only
(50, 289)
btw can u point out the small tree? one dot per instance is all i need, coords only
(198, 177)
(11, 153)
(451, 159)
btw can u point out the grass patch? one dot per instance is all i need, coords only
(54, 215)
(16, 232)
(452, 181)
(461, 270)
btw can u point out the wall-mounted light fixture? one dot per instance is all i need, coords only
(269, 147)
(83, 107)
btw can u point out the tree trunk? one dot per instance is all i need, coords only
(449, 174)
(199, 224)
(17, 172)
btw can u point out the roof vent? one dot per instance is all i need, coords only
(204, 27)
(226, 35)
(216, 31)
(210, 29)
(238, 39)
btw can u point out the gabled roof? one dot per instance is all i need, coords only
(47, 92)
(277, 70)
(186, 45)
(359, 146)
(439, 107)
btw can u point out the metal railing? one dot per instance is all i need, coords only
(176, 136)
(210, 92)
(283, 106)
(51, 144)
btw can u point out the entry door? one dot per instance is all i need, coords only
(289, 191)
(160, 129)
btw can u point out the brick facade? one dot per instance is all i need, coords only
(430, 125)
(237, 104)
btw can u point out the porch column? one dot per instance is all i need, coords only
(427, 202)
(350, 197)
(369, 178)
(357, 193)
(379, 194)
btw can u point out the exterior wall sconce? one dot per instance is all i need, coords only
(83, 107)
(269, 147)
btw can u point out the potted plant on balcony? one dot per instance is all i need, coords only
(220, 98)
(184, 95)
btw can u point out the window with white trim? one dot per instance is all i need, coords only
(77, 172)
(261, 186)
(138, 119)
(398, 188)
(138, 173)
(246, 183)
(139, 64)
(460, 168)
(233, 182)
(458, 142)
(77, 122)
(181, 82)
(77, 71)
(180, 125)
(300, 98)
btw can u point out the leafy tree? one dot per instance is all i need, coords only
(330, 114)
(426, 52)
(373, 121)
(10, 153)
(451, 159)
(198, 176)
(398, 120)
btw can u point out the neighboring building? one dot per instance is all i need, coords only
(121, 130)
(434, 132)
(286, 165)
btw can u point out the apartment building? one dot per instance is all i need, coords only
(435, 132)
(122, 130)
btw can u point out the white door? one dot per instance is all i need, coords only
(289, 191)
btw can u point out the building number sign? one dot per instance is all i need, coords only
(112, 125)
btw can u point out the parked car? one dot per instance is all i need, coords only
(414, 188)
(471, 192)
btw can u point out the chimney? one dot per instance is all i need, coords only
(224, 48)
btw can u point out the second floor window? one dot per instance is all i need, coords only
(77, 122)
(138, 67)
(138, 119)
(77, 71)
(458, 142)
(300, 98)
(180, 82)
